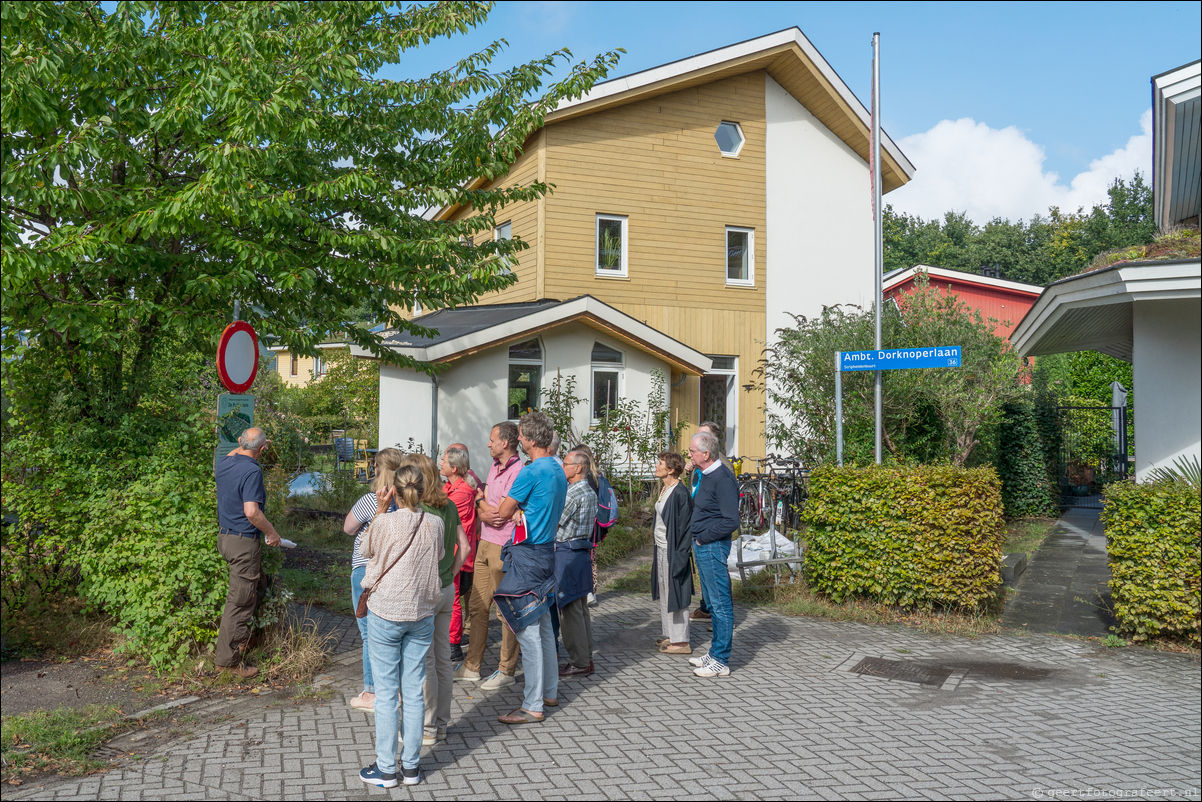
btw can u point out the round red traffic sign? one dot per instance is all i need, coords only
(238, 356)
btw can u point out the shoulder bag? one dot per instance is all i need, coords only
(361, 607)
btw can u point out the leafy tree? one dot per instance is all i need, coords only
(1047, 248)
(166, 159)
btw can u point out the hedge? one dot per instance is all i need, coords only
(1026, 486)
(1152, 538)
(912, 537)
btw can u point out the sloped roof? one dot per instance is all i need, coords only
(1177, 144)
(792, 61)
(470, 329)
(896, 277)
(1093, 311)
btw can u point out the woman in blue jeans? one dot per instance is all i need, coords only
(403, 549)
(356, 523)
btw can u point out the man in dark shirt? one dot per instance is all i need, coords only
(240, 500)
(715, 517)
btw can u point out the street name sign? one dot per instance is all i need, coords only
(939, 356)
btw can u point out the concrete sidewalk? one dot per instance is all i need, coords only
(1011, 716)
(1066, 587)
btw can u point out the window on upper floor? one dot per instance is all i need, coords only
(740, 256)
(611, 245)
(525, 377)
(503, 231)
(607, 375)
(730, 139)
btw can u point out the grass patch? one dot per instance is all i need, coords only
(314, 533)
(1026, 535)
(633, 531)
(62, 626)
(637, 580)
(329, 587)
(797, 598)
(57, 740)
(292, 652)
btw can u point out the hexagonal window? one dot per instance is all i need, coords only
(730, 138)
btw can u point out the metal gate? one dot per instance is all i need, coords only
(1092, 454)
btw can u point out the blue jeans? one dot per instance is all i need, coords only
(398, 662)
(715, 585)
(357, 575)
(539, 663)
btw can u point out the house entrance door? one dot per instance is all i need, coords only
(718, 401)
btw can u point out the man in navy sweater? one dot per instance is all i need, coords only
(715, 518)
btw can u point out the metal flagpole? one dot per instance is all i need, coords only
(877, 250)
(839, 408)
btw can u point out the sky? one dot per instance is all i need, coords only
(1005, 109)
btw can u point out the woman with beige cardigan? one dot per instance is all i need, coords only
(403, 549)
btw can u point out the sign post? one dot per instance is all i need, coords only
(237, 364)
(936, 356)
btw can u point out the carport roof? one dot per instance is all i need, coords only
(469, 329)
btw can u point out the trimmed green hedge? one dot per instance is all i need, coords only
(1026, 485)
(908, 536)
(1152, 537)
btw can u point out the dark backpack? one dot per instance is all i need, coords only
(607, 508)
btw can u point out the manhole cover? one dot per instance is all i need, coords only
(906, 672)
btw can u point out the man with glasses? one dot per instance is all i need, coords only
(715, 518)
(574, 566)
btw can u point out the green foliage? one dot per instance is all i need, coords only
(928, 415)
(162, 160)
(1153, 540)
(1026, 483)
(1051, 246)
(560, 401)
(914, 537)
(1187, 470)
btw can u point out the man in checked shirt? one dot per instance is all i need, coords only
(574, 566)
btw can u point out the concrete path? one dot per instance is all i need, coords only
(1065, 588)
(1012, 716)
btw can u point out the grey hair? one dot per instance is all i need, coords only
(458, 459)
(538, 427)
(252, 439)
(709, 444)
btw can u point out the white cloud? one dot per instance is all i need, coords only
(967, 166)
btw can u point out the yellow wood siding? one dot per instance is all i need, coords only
(524, 220)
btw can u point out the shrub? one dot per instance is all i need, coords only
(1026, 486)
(907, 536)
(1152, 538)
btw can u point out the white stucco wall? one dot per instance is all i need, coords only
(819, 215)
(473, 392)
(1167, 362)
(405, 403)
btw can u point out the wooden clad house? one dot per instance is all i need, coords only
(707, 199)
(1007, 301)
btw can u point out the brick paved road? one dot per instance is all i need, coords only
(1017, 715)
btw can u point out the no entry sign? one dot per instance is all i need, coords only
(238, 356)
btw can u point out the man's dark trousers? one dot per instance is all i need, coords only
(247, 587)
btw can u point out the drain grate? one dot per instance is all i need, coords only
(906, 672)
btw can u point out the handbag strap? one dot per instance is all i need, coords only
(412, 535)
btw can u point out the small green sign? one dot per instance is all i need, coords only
(235, 414)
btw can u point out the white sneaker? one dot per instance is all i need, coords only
(498, 680)
(461, 673)
(592, 600)
(712, 668)
(699, 660)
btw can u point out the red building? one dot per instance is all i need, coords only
(1008, 301)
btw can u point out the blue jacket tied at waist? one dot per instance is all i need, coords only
(526, 591)
(573, 570)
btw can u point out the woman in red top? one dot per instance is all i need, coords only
(456, 468)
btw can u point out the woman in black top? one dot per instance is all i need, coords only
(672, 570)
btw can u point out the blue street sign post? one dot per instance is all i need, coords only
(936, 356)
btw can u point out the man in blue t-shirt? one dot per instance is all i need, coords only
(539, 491)
(240, 501)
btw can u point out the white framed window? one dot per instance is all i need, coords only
(611, 245)
(295, 365)
(525, 377)
(730, 139)
(319, 366)
(720, 399)
(503, 231)
(608, 374)
(740, 256)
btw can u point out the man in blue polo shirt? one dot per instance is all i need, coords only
(240, 501)
(527, 591)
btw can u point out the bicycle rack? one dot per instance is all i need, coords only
(797, 558)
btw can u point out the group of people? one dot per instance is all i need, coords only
(435, 548)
